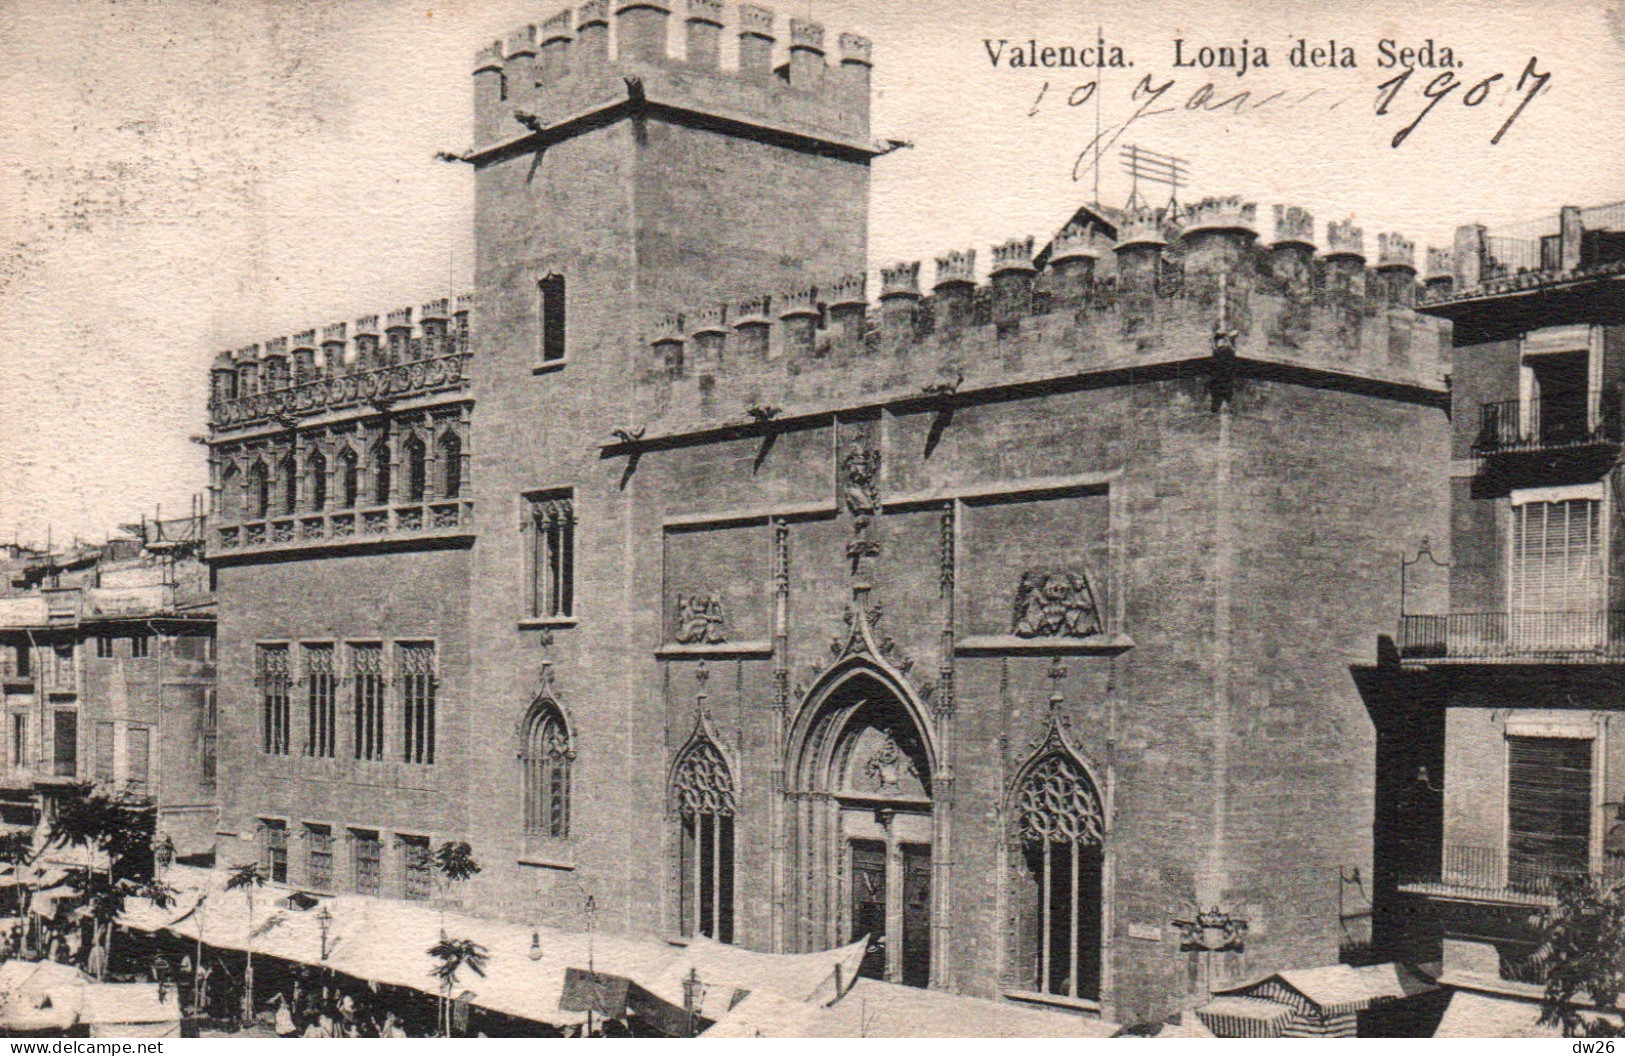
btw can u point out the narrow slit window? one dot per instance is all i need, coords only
(550, 303)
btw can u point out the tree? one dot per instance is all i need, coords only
(452, 956)
(454, 863)
(116, 834)
(247, 878)
(1583, 950)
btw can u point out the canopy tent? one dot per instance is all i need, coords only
(875, 1009)
(1319, 1002)
(1244, 1017)
(39, 996)
(387, 942)
(1475, 1015)
(130, 1010)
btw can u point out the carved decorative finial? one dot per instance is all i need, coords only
(1294, 225)
(1345, 240)
(1056, 674)
(763, 412)
(944, 388)
(957, 265)
(628, 436)
(1395, 251)
(1222, 214)
(1013, 255)
(900, 280)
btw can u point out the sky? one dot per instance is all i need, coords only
(179, 177)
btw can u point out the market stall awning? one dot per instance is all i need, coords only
(876, 1009)
(387, 942)
(1476, 1015)
(1244, 1017)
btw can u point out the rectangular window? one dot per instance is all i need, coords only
(321, 682)
(140, 645)
(274, 850)
(1548, 810)
(415, 674)
(104, 753)
(367, 668)
(319, 857)
(550, 316)
(19, 740)
(61, 655)
(367, 864)
(552, 555)
(417, 875)
(104, 646)
(138, 749)
(65, 743)
(1557, 579)
(210, 748)
(275, 708)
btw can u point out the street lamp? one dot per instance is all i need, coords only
(691, 996)
(324, 921)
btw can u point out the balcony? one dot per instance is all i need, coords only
(1489, 874)
(1564, 637)
(1551, 424)
(449, 518)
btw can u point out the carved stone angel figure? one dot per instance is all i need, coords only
(860, 467)
(701, 619)
(1055, 603)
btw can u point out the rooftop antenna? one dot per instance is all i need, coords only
(1100, 75)
(1152, 167)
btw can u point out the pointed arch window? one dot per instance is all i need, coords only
(231, 492)
(546, 759)
(288, 483)
(380, 472)
(349, 479)
(416, 456)
(259, 492)
(703, 795)
(451, 464)
(316, 474)
(1056, 867)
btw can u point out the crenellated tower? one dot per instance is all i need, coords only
(615, 149)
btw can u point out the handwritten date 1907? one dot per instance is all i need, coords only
(1151, 100)
(1531, 82)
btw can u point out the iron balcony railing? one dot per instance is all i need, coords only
(1597, 634)
(1543, 424)
(1468, 871)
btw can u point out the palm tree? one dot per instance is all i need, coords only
(116, 832)
(453, 956)
(454, 863)
(249, 878)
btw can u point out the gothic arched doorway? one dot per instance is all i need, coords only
(864, 824)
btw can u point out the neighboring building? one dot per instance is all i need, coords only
(107, 669)
(1502, 716)
(340, 548)
(996, 623)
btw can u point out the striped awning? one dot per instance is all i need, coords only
(1244, 1017)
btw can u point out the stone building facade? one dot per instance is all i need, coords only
(340, 547)
(1500, 708)
(107, 657)
(1009, 624)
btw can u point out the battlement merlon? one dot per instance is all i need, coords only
(263, 383)
(1048, 317)
(522, 103)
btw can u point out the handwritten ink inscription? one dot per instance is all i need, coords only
(1409, 96)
